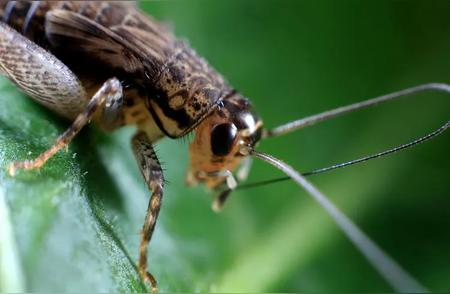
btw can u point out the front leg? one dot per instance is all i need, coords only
(105, 99)
(153, 175)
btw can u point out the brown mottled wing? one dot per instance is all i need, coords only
(40, 74)
(129, 4)
(66, 28)
(100, 29)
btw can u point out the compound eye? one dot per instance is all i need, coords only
(222, 138)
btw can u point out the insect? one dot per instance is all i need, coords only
(161, 86)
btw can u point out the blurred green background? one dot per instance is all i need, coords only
(74, 225)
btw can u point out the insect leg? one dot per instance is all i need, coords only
(153, 175)
(110, 92)
(40, 74)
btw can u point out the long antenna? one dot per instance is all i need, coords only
(392, 272)
(308, 121)
(420, 140)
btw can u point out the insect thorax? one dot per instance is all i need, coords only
(186, 91)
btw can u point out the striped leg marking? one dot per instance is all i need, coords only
(153, 175)
(110, 92)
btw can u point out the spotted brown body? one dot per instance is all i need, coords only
(180, 87)
(110, 63)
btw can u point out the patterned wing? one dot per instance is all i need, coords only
(66, 28)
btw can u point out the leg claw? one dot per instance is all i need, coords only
(25, 165)
(149, 278)
(12, 169)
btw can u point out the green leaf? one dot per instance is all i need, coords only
(60, 228)
(74, 225)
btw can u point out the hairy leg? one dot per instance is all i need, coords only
(153, 175)
(110, 92)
